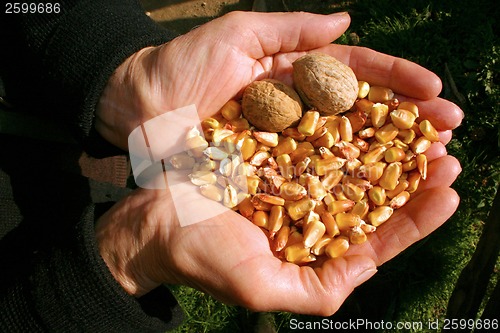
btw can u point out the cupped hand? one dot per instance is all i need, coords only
(228, 257)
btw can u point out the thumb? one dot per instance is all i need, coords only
(319, 291)
(340, 276)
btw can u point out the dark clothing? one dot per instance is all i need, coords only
(54, 68)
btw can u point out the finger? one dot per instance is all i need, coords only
(445, 137)
(436, 151)
(443, 114)
(402, 76)
(440, 172)
(264, 34)
(414, 221)
(305, 290)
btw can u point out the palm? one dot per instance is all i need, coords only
(228, 256)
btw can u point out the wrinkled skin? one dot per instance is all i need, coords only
(140, 238)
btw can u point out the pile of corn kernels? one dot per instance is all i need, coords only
(317, 188)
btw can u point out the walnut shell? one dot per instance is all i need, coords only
(325, 83)
(271, 105)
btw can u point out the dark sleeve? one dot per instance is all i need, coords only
(52, 277)
(69, 289)
(60, 62)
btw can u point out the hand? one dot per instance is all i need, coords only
(228, 257)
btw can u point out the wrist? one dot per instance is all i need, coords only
(126, 101)
(124, 244)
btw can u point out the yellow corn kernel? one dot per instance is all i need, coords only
(281, 238)
(210, 123)
(353, 192)
(361, 209)
(298, 209)
(261, 219)
(231, 110)
(366, 133)
(340, 206)
(248, 148)
(357, 235)
(413, 181)
(220, 134)
(294, 237)
(286, 146)
(292, 191)
(386, 133)
(345, 221)
(212, 192)
(363, 89)
(368, 228)
(293, 133)
(422, 165)
(239, 124)
(203, 177)
(320, 246)
(301, 166)
(420, 145)
(271, 199)
(412, 107)
(304, 149)
(322, 166)
(328, 220)
(296, 252)
(267, 138)
(285, 166)
(403, 185)
(246, 208)
(380, 215)
(379, 114)
(337, 247)
(331, 179)
(230, 198)
(347, 150)
(361, 183)
(407, 136)
(319, 132)
(394, 154)
(310, 217)
(399, 200)
(315, 188)
(307, 125)
(373, 171)
(410, 165)
(276, 217)
(313, 233)
(403, 119)
(374, 155)
(259, 158)
(345, 129)
(352, 166)
(429, 131)
(377, 195)
(363, 105)
(401, 145)
(390, 177)
(379, 94)
(327, 140)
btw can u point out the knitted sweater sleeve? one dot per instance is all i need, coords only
(63, 60)
(56, 65)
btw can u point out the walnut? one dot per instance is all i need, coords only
(271, 105)
(325, 83)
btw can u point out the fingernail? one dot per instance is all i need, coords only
(363, 277)
(339, 14)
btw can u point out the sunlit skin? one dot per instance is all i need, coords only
(228, 257)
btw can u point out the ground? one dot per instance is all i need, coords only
(183, 15)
